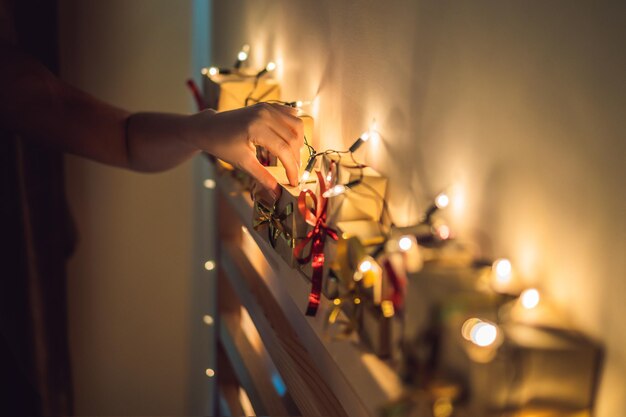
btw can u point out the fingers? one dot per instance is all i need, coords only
(290, 127)
(267, 180)
(282, 150)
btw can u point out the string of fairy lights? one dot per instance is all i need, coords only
(426, 232)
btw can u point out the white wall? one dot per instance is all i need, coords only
(521, 103)
(131, 279)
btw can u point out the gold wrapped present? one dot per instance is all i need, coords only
(547, 367)
(363, 200)
(231, 91)
(279, 221)
(380, 328)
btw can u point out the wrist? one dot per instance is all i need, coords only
(197, 130)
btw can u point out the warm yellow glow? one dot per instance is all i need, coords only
(443, 231)
(387, 308)
(442, 407)
(479, 332)
(204, 71)
(530, 298)
(250, 330)
(442, 200)
(405, 243)
(357, 300)
(305, 176)
(213, 71)
(209, 183)
(209, 265)
(208, 320)
(373, 132)
(365, 266)
(209, 372)
(503, 270)
(246, 405)
(271, 66)
(337, 301)
(334, 191)
(467, 327)
(483, 334)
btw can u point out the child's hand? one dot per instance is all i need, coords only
(233, 135)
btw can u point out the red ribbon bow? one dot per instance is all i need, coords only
(316, 217)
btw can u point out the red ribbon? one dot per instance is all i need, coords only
(398, 284)
(316, 217)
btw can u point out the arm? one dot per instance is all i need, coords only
(39, 106)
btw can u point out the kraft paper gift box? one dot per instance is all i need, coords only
(292, 226)
(363, 201)
(380, 328)
(229, 91)
(439, 293)
(537, 366)
(356, 240)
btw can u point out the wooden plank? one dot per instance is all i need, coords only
(253, 376)
(228, 386)
(361, 381)
(307, 387)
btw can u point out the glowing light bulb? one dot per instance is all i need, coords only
(204, 71)
(405, 243)
(480, 332)
(271, 66)
(442, 201)
(209, 265)
(503, 270)
(329, 177)
(365, 136)
(213, 71)
(299, 104)
(337, 301)
(242, 56)
(530, 298)
(365, 266)
(209, 183)
(387, 308)
(208, 320)
(309, 167)
(443, 231)
(357, 300)
(334, 191)
(209, 372)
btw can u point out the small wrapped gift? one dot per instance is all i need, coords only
(279, 221)
(364, 198)
(357, 239)
(537, 366)
(231, 91)
(441, 294)
(380, 329)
